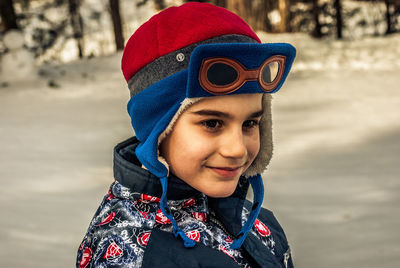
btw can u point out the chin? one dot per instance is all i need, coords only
(221, 194)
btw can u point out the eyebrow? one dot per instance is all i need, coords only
(224, 115)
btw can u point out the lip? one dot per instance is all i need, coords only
(227, 172)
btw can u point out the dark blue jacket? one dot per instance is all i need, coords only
(129, 229)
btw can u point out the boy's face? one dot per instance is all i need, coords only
(214, 141)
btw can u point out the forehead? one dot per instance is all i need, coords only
(238, 103)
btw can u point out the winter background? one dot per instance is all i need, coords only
(333, 181)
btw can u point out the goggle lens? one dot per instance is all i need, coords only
(270, 72)
(221, 74)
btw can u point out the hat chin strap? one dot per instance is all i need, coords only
(258, 190)
(188, 243)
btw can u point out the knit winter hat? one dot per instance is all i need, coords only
(190, 52)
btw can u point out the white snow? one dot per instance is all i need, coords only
(333, 181)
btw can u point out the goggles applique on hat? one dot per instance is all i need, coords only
(220, 69)
(213, 70)
(221, 75)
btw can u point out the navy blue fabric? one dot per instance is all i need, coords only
(174, 255)
(264, 258)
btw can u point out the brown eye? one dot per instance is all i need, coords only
(212, 124)
(250, 124)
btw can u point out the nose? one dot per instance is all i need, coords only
(233, 145)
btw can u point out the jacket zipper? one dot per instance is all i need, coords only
(286, 257)
(219, 224)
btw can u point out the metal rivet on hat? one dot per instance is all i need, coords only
(180, 57)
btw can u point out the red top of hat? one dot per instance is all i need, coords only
(176, 28)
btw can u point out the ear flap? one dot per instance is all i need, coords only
(263, 158)
(185, 104)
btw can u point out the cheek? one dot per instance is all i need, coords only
(194, 147)
(187, 151)
(253, 146)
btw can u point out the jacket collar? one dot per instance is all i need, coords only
(129, 173)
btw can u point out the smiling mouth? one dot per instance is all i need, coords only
(227, 172)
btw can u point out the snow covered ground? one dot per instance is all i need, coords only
(333, 181)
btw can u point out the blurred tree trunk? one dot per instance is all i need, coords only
(339, 19)
(117, 23)
(253, 12)
(77, 24)
(241, 8)
(159, 4)
(236, 6)
(315, 12)
(221, 3)
(388, 18)
(284, 11)
(8, 17)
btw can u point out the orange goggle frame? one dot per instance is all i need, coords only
(222, 75)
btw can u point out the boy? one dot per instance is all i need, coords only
(200, 84)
